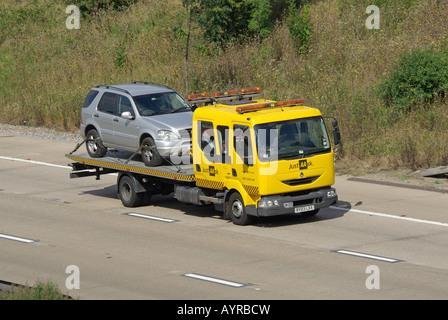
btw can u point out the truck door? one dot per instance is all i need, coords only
(243, 166)
(209, 172)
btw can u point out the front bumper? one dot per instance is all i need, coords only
(293, 203)
(173, 148)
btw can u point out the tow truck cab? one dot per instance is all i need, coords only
(269, 158)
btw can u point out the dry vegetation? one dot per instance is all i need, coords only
(46, 69)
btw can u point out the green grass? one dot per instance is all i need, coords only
(40, 291)
(46, 69)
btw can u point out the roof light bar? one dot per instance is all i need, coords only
(254, 107)
(289, 102)
(250, 90)
(223, 93)
(196, 96)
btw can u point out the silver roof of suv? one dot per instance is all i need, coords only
(139, 88)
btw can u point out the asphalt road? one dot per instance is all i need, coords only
(380, 242)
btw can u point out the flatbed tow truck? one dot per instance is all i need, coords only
(250, 157)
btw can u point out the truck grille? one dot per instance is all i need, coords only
(298, 182)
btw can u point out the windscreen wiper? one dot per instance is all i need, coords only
(160, 112)
(318, 151)
(181, 109)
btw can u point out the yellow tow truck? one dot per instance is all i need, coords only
(250, 157)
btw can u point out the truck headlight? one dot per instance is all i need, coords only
(331, 194)
(167, 135)
(267, 203)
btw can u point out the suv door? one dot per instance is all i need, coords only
(104, 117)
(126, 131)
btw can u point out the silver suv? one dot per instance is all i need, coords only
(138, 116)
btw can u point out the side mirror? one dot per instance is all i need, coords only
(127, 115)
(336, 132)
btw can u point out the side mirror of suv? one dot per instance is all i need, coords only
(127, 115)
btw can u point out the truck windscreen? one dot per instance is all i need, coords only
(291, 139)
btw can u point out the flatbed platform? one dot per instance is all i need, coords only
(115, 161)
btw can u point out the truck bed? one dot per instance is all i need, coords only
(116, 161)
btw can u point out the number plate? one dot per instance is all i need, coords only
(304, 209)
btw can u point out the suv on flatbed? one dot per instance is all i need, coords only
(138, 116)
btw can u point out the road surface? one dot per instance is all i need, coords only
(378, 242)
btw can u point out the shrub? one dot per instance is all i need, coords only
(92, 6)
(40, 291)
(419, 77)
(300, 25)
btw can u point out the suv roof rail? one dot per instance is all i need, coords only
(151, 83)
(113, 87)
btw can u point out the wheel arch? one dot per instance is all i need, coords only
(143, 136)
(90, 127)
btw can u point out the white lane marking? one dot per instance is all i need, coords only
(331, 207)
(215, 280)
(35, 162)
(392, 216)
(368, 256)
(144, 216)
(14, 238)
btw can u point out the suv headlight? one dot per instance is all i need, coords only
(167, 135)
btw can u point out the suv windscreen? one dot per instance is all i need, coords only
(159, 103)
(292, 139)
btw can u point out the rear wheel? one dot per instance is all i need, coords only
(150, 155)
(94, 144)
(237, 210)
(127, 194)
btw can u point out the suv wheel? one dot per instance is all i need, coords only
(94, 144)
(150, 155)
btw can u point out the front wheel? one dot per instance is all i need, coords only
(150, 155)
(237, 211)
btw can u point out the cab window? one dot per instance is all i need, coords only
(242, 143)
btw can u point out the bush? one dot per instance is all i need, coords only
(300, 25)
(40, 291)
(92, 6)
(419, 77)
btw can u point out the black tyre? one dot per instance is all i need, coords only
(237, 211)
(150, 155)
(127, 194)
(94, 144)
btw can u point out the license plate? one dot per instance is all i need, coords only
(304, 209)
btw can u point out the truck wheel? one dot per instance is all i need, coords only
(237, 210)
(150, 155)
(127, 194)
(94, 144)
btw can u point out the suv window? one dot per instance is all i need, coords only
(124, 105)
(89, 98)
(107, 102)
